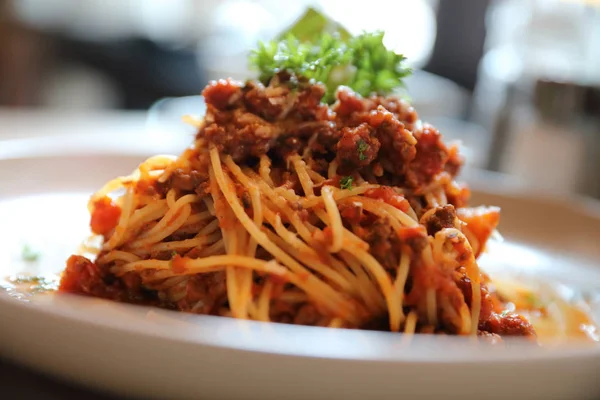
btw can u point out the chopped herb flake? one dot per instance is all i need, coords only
(29, 254)
(533, 301)
(346, 182)
(362, 146)
(35, 283)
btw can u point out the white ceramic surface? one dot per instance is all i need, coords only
(151, 353)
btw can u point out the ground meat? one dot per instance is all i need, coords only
(205, 293)
(85, 277)
(508, 325)
(351, 107)
(348, 102)
(442, 217)
(269, 103)
(240, 134)
(222, 94)
(403, 111)
(319, 165)
(457, 195)
(398, 145)
(414, 238)
(288, 144)
(309, 106)
(455, 161)
(186, 181)
(487, 303)
(287, 115)
(357, 148)
(81, 276)
(327, 136)
(431, 157)
(246, 122)
(384, 243)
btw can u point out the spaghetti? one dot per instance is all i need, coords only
(286, 209)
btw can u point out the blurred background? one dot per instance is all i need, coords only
(517, 81)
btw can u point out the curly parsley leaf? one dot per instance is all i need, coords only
(346, 182)
(362, 63)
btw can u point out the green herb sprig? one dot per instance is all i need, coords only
(362, 63)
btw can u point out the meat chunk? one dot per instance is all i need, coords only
(430, 159)
(442, 217)
(269, 103)
(384, 243)
(357, 148)
(308, 105)
(414, 238)
(351, 108)
(187, 181)
(403, 111)
(348, 102)
(240, 134)
(455, 161)
(508, 325)
(85, 277)
(398, 145)
(222, 94)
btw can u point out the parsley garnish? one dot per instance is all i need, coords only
(362, 146)
(311, 50)
(29, 254)
(346, 182)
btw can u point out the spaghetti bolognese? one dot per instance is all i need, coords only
(291, 209)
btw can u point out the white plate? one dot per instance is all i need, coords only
(151, 353)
